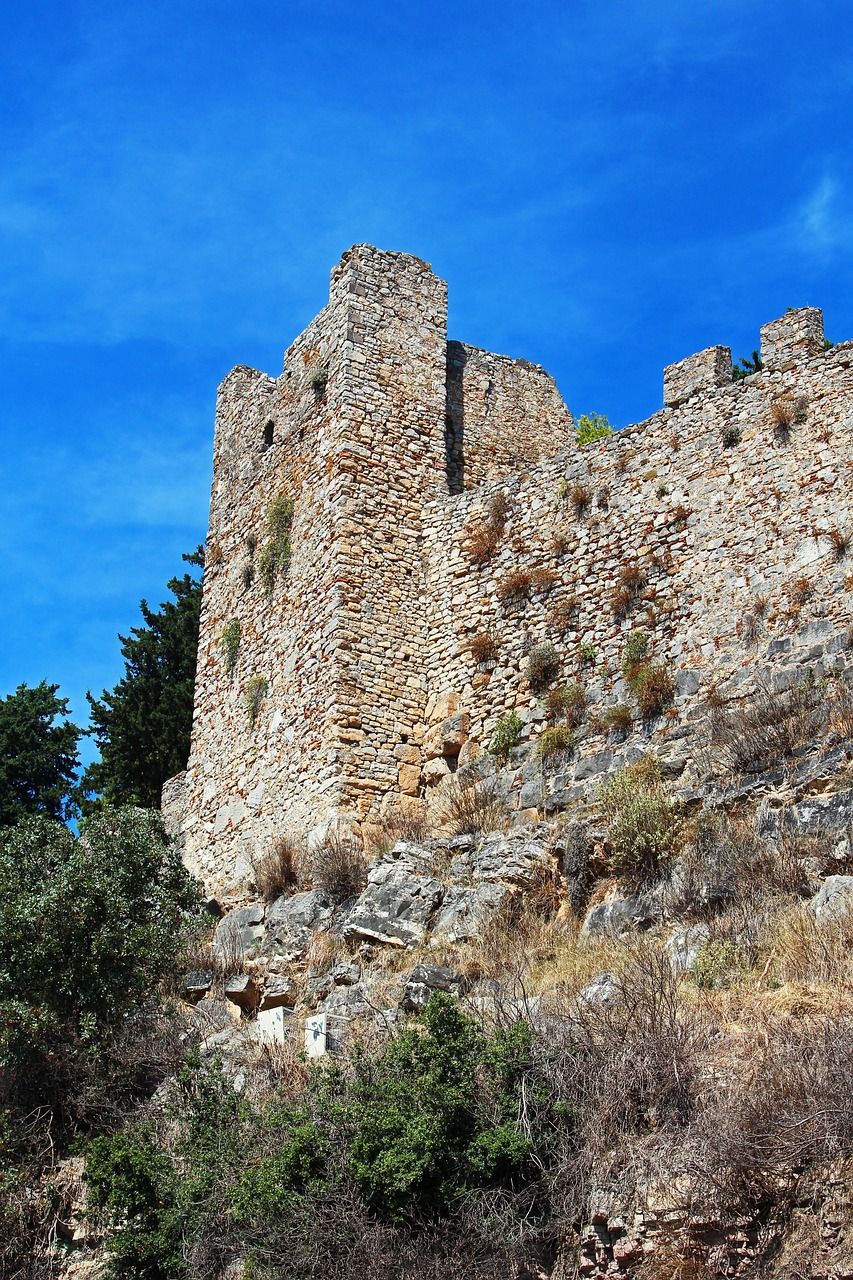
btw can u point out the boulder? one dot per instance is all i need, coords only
(279, 992)
(196, 984)
(602, 990)
(423, 981)
(513, 857)
(291, 920)
(684, 945)
(833, 899)
(398, 904)
(620, 914)
(465, 912)
(240, 931)
(242, 990)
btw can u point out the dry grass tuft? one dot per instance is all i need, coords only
(276, 872)
(473, 807)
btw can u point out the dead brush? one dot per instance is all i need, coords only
(398, 823)
(800, 590)
(276, 871)
(840, 707)
(580, 498)
(750, 626)
(337, 866)
(514, 587)
(839, 541)
(788, 1109)
(788, 411)
(471, 808)
(629, 587)
(543, 579)
(483, 647)
(277, 1069)
(483, 533)
(764, 729)
(563, 615)
(803, 950)
(567, 702)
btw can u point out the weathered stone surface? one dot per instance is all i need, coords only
(290, 921)
(833, 899)
(397, 905)
(619, 914)
(515, 857)
(279, 991)
(423, 981)
(684, 944)
(465, 912)
(241, 931)
(196, 984)
(602, 990)
(242, 990)
(364, 432)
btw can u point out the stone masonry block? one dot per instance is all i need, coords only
(795, 337)
(701, 372)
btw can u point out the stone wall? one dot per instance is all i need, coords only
(716, 526)
(501, 414)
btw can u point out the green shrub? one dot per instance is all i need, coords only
(274, 556)
(319, 380)
(716, 964)
(568, 701)
(89, 925)
(417, 1141)
(230, 641)
(543, 666)
(651, 683)
(256, 691)
(636, 650)
(557, 738)
(592, 427)
(506, 735)
(587, 654)
(643, 820)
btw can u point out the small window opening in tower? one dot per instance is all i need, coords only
(268, 429)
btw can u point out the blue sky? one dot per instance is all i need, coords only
(606, 187)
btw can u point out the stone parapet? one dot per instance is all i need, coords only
(697, 375)
(795, 337)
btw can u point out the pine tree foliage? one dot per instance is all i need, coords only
(38, 754)
(143, 725)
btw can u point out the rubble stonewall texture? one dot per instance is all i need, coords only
(726, 508)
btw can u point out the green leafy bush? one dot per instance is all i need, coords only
(506, 735)
(89, 925)
(716, 964)
(406, 1134)
(592, 427)
(643, 820)
(416, 1142)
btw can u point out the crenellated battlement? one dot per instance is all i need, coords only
(388, 444)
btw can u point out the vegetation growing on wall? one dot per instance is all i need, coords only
(274, 556)
(256, 691)
(592, 427)
(230, 641)
(506, 735)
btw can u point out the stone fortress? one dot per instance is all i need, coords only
(399, 522)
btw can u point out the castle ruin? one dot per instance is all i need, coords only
(398, 520)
